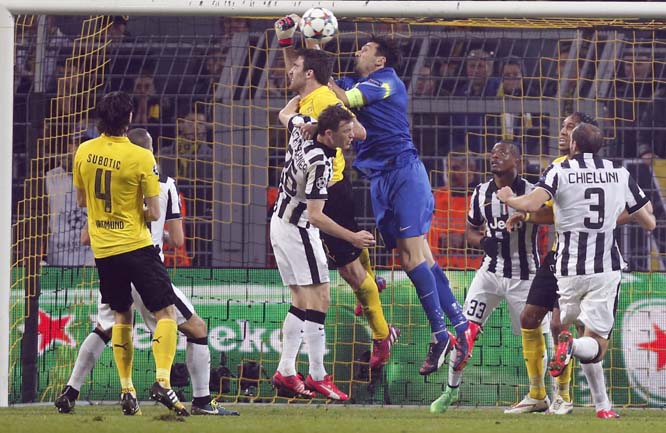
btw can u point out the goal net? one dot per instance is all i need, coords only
(209, 90)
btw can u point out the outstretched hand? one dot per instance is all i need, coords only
(285, 28)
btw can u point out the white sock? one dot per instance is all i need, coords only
(594, 373)
(198, 365)
(292, 337)
(585, 348)
(89, 352)
(315, 339)
(455, 377)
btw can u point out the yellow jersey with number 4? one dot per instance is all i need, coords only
(116, 175)
(312, 105)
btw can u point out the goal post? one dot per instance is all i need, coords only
(418, 12)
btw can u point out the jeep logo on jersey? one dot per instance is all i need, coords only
(644, 348)
(500, 224)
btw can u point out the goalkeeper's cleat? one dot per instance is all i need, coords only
(168, 398)
(128, 403)
(560, 406)
(562, 355)
(529, 405)
(212, 408)
(67, 399)
(437, 354)
(381, 285)
(442, 404)
(293, 384)
(607, 414)
(326, 387)
(465, 344)
(381, 349)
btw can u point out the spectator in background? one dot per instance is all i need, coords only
(150, 111)
(232, 25)
(118, 32)
(447, 235)
(191, 157)
(212, 70)
(448, 71)
(479, 80)
(633, 94)
(424, 83)
(520, 128)
(470, 129)
(68, 86)
(66, 218)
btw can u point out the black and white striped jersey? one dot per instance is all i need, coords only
(517, 257)
(589, 193)
(169, 210)
(308, 167)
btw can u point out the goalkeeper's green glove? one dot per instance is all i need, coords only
(285, 28)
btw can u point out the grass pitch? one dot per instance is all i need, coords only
(322, 418)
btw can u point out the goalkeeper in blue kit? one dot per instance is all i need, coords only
(400, 189)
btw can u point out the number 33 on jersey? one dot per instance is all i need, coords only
(115, 175)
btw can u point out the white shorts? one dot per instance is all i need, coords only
(590, 300)
(299, 254)
(184, 310)
(487, 291)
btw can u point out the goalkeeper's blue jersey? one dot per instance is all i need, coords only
(380, 103)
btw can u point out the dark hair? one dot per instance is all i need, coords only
(331, 117)
(512, 147)
(140, 137)
(388, 48)
(588, 138)
(584, 118)
(513, 60)
(113, 112)
(320, 62)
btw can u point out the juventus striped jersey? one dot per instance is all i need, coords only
(169, 210)
(308, 167)
(589, 193)
(517, 256)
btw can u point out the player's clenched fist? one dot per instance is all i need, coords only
(285, 28)
(362, 239)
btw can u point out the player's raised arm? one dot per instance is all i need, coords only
(289, 110)
(531, 202)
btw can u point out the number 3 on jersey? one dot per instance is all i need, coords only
(103, 188)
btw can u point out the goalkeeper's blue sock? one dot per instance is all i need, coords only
(448, 301)
(424, 282)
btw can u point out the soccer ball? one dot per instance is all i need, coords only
(319, 23)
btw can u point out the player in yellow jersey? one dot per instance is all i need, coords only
(542, 298)
(352, 263)
(113, 178)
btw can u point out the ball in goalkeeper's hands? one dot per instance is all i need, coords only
(319, 23)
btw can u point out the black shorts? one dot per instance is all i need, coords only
(543, 291)
(340, 208)
(145, 269)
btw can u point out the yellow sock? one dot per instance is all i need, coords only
(534, 350)
(368, 296)
(123, 353)
(563, 381)
(364, 258)
(165, 339)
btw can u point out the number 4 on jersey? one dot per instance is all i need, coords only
(103, 190)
